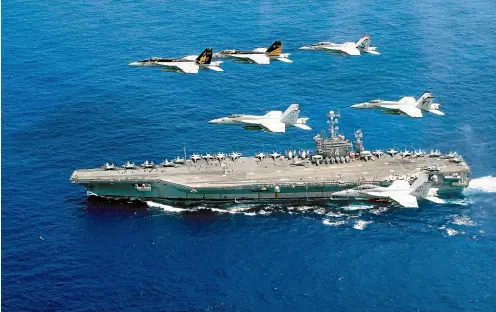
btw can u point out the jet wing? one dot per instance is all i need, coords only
(345, 50)
(399, 184)
(272, 126)
(255, 58)
(187, 68)
(190, 57)
(403, 199)
(407, 100)
(411, 111)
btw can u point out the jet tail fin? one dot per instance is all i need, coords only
(364, 42)
(275, 49)
(205, 57)
(290, 115)
(425, 100)
(421, 186)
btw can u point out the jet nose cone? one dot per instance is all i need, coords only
(134, 64)
(218, 120)
(359, 105)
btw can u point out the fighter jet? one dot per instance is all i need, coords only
(406, 105)
(275, 155)
(195, 157)
(347, 48)
(129, 165)
(235, 155)
(400, 192)
(167, 163)
(260, 155)
(392, 152)
(189, 64)
(258, 55)
(273, 121)
(108, 166)
(148, 164)
(220, 156)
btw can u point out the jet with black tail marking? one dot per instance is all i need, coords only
(406, 105)
(189, 64)
(273, 121)
(258, 55)
(347, 48)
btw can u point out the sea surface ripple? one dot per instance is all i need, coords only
(70, 101)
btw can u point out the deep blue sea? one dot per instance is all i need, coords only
(69, 100)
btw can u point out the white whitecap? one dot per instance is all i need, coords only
(463, 220)
(332, 223)
(361, 224)
(379, 210)
(353, 207)
(451, 232)
(334, 214)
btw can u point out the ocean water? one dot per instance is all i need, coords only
(70, 101)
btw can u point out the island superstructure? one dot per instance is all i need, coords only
(336, 164)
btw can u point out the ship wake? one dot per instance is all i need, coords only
(482, 185)
(167, 208)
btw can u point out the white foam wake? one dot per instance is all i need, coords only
(165, 207)
(484, 184)
(463, 220)
(357, 206)
(361, 224)
(333, 223)
(450, 231)
(233, 211)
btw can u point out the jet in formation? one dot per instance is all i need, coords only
(347, 48)
(189, 64)
(258, 55)
(273, 121)
(400, 192)
(406, 105)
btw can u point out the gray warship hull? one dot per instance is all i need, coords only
(250, 179)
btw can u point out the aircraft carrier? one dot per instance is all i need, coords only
(336, 164)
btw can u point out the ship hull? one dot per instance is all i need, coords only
(171, 192)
